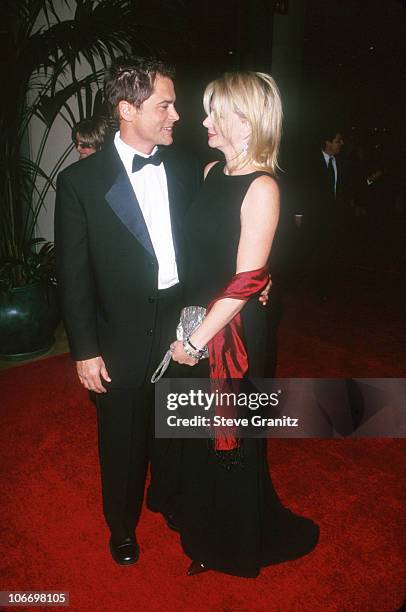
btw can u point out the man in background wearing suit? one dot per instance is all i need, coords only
(119, 260)
(319, 209)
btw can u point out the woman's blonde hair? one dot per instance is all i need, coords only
(255, 97)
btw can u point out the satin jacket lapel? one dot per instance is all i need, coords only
(121, 198)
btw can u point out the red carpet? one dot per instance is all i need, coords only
(360, 332)
(54, 538)
(52, 532)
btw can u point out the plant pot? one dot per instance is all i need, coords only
(29, 316)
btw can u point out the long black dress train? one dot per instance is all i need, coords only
(231, 520)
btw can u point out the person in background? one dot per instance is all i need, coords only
(320, 209)
(90, 135)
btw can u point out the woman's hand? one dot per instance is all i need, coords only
(179, 355)
(264, 295)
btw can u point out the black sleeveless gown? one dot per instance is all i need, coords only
(231, 520)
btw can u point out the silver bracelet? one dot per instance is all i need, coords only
(192, 351)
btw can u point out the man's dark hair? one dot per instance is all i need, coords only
(328, 131)
(329, 135)
(132, 79)
(92, 132)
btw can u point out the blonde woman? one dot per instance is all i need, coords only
(229, 515)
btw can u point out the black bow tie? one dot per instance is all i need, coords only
(139, 162)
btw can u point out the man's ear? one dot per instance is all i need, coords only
(126, 110)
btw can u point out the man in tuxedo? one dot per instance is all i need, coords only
(320, 209)
(120, 263)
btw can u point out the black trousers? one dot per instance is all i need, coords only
(126, 425)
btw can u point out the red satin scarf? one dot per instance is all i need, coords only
(227, 354)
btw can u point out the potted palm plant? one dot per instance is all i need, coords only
(43, 52)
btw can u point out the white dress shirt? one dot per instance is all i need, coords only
(151, 190)
(333, 159)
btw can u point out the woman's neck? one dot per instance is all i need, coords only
(231, 170)
(233, 158)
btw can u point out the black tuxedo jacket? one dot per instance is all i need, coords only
(315, 194)
(106, 265)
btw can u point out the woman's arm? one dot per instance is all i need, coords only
(259, 219)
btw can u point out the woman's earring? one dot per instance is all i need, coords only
(244, 148)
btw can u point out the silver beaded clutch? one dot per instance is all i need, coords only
(190, 319)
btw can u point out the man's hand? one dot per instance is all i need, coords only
(264, 295)
(91, 372)
(179, 355)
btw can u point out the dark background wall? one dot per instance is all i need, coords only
(350, 58)
(203, 40)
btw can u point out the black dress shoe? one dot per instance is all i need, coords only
(125, 552)
(197, 568)
(171, 522)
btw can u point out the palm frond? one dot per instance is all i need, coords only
(45, 52)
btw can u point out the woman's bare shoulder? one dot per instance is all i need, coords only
(264, 185)
(263, 193)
